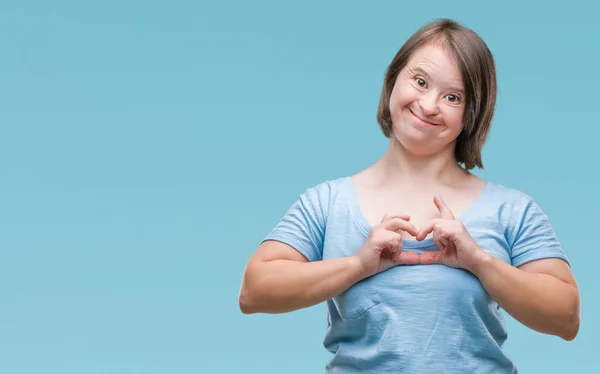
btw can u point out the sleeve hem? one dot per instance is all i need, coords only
(298, 245)
(525, 258)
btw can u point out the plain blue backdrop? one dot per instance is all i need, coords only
(147, 147)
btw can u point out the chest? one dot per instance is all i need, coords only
(429, 284)
(419, 205)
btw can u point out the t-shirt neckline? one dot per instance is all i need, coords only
(361, 221)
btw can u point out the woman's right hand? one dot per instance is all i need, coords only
(383, 247)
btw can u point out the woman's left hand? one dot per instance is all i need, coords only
(457, 247)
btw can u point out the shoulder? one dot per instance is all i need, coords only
(517, 210)
(324, 191)
(528, 230)
(512, 202)
(318, 198)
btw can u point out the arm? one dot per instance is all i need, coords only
(542, 294)
(279, 279)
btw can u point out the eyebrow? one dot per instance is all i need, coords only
(419, 70)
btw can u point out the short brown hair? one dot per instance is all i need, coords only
(478, 74)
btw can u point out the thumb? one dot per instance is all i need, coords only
(443, 208)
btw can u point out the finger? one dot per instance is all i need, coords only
(428, 258)
(443, 243)
(439, 234)
(389, 216)
(432, 227)
(439, 241)
(396, 224)
(424, 232)
(445, 231)
(443, 208)
(389, 241)
(428, 229)
(395, 243)
(409, 258)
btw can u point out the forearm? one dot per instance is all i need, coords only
(539, 301)
(280, 286)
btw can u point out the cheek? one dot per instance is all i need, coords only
(402, 95)
(454, 118)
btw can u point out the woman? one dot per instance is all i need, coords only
(415, 256)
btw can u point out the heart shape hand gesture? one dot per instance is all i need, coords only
(383, 248)
(457, 247)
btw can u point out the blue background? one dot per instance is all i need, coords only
(147, 147)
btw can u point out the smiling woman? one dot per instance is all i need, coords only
(415, 255)
(448, 66)
(427, 99)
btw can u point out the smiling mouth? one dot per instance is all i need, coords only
(421, 119)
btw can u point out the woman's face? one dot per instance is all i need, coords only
(427, 102)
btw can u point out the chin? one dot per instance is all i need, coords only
(405, 131)
(413, 143)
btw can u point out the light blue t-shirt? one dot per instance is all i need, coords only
(423, 318)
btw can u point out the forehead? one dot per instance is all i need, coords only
(438, 62)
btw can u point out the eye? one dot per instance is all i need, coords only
(454, 99)
(420, 82)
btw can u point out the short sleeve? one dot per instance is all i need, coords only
(534, 237)
(303, 225)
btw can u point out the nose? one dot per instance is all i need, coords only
(429, 104)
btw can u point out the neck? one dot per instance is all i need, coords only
(399, 166)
